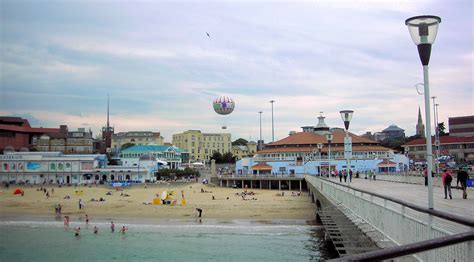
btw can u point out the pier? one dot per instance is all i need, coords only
(395, 217)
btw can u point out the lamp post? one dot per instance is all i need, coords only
(329, 139)
(260, 142)
(423, 30)
(435, 119)
(273, 128)
(320, 146)
(346, 116)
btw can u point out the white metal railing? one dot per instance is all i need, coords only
(408, 178)
(399, 223)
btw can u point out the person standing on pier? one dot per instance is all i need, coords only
(447, 178)
(462, 178)
(425, 175)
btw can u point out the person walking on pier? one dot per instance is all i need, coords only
(425, 175)
(345, 175)
(340, 175)
(462, 178)
(447, 178)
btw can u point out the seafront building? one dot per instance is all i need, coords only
(461, 148)
(299, 154)
(461, 126)
(247, 150)
(68, 142)
(17, 134)
(169, 156)
(136, 138)
(59, 168)
(201, 146)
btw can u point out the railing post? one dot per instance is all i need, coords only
(470, 249)
(430, 235)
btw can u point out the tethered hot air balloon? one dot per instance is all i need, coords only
(223, 106)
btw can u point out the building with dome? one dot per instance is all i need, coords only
(298, 154)
(393, 132)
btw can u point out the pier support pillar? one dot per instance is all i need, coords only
(301, 188)
(251, 184)
(243, 185)
(261, 184)
(270, 184)
(289, 185)
(279, 185)
(227, 183)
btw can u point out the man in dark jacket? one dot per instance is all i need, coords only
(462, 178)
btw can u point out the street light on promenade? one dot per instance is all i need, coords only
(435, 119)
(320, 146)
(346, 116)
(423, 30)
(329, 139)
(273, 130)
(260, 141)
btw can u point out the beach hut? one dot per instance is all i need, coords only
(18, 191)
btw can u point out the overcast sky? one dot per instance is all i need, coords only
(60, 59)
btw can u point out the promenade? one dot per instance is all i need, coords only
(418, 194)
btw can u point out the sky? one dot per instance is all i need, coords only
(61, 59)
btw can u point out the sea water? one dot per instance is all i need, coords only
(194, 240)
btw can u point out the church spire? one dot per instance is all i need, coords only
(420, 128)
(108, 124)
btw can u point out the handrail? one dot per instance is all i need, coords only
(455, 218)
(398, 251)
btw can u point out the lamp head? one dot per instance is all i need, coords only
(423, 28)
(329, 137)
(346, 116)
(320, 146)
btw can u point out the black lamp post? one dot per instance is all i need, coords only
(346, 116)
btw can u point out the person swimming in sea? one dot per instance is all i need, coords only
(78, 231)
(123, 230)
(96, 230)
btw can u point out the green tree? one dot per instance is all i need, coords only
(240, 142)
(442, 129)
(217, 156)
(228, 158)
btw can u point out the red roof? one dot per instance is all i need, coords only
(325, 149)
(442, 140)
(386, 163)
(28, 129)
(262, 166)
(307, 138)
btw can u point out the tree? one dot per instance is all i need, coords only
(240, 142)
(228, 158)
(126, 145)
(217, 156)
(442, 129)
(394, 143)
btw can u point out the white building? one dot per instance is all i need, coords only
(58, 168)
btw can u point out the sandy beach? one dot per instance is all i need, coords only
(267, 206)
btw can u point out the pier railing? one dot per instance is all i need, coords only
(401, 222)
(409, 178)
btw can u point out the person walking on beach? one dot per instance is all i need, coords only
(447, 178)
(80, 203)
(112, 226)
(199, 212)
(87, 219)
(463, 176)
